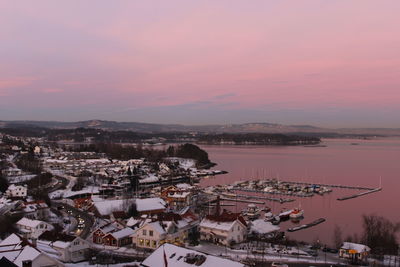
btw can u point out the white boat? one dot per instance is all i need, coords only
(296, 213)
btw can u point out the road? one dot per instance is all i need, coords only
(88, 219)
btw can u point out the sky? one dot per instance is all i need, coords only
(327, 63)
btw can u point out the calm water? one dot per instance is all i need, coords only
(338, 163)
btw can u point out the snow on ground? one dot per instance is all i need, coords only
(262, 227)
(183, 163)
(149, 178)
(86, 263)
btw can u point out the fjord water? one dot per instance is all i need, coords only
(340, 162)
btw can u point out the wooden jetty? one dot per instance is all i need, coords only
(299, 194)
(280, 200)
(242, 200)
(361, 194)
(308, 225)
(329, 185)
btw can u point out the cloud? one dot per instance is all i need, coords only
(52, 90)
(224, 96)
(13, 82)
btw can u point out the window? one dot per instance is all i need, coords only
(144, 232)
(147, 243)
(141, 242)
(150, 233)
(154, 244)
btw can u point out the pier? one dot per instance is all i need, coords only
(330, 185)
(360, 194)
(296, 194)
(308, 225)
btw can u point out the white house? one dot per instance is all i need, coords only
(355, 252)
(171, 255)
(165, 228)
(72, 251)
(37, 210)
(17, 191)
(223, 229)
(12, 172)
(32, 228)
(22, 253)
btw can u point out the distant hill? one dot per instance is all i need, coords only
(226, 128)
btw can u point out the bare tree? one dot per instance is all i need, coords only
(337, 236)
(380, 234)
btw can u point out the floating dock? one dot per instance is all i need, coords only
(330, 185)
(305, 226)
(242, 200)
(360, 194)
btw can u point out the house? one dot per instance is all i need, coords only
(23, 253)
(119, 238)
(171, 255)
(354, 252)
(71, 248)
(100, 232)
(150, 205)
(177, 198)
(164, 228)
(36, 210)
(17, 191)
(224, 229)
(32, 228)
(12, 172)
(105, 207)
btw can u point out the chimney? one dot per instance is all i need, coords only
(27, 263)
(218, 208)
(34, 242)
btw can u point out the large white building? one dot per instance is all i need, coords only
(22, 253)
(223, 229)
(32, 228)
(174, 256)
(17, 191)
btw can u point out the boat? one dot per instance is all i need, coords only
(252, 212)
(285, 215)
(296, 213)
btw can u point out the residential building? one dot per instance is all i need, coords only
(23, 253)
(17, 191)
(223, 229)
(32, 228)
(171, 255)
(356, 253)
(150, 205)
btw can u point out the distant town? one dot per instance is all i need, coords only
(81, 197)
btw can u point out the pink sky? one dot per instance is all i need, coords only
(329, 63)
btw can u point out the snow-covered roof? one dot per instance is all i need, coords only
(354, 246)
(107, 206)
(12, 239)
(262, 227)
(61, 244)
(222, 226)
(123, 233)
(176, 257)
(29, 223)
(149, 204)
